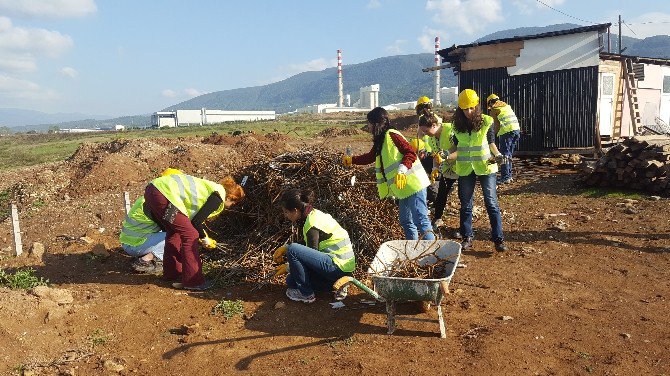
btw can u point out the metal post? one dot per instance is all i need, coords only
(609, 42)
(17, 231)
(619, 34)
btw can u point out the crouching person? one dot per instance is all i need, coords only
(326, 256)
(142, 238)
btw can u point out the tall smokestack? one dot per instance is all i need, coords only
(340, 96)
(437, 72)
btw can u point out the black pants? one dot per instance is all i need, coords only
(445, 188)
(431, 191)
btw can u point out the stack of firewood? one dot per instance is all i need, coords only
(641, 162)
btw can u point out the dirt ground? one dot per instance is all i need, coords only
(584, 288)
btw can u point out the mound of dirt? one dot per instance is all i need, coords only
(339, 132)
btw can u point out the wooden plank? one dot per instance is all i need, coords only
(488, 63)
(17, 231)
(492, 50)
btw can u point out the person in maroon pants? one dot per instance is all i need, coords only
(180, 204)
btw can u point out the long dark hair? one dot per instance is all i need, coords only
(379, 118)
(427, 118)
(464, 125)
(294, 198)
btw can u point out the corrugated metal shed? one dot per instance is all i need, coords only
(555, 109)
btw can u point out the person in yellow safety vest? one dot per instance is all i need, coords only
(442, 170)
(507, 130)
(473, 149)
(327, 255)
(142, 238)
(180, 204)
(399, 174)
(423, 104)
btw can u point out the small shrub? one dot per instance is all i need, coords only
(23, 279)
(229, 308)
(98, 338)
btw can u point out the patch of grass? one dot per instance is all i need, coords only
(39, 203)
(98, 337)
(22, 279)
(612, 193)
(19, 368)
(229, 308)
(5, 199)
(588, 369)
(584, 355)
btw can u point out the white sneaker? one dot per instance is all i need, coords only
(297, 296)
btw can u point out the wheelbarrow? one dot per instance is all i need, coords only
(439, 255)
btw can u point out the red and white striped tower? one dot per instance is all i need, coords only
(437, 101)
(340, 96)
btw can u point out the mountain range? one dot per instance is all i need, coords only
(400, 78)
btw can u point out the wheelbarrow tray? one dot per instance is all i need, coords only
(429, 252)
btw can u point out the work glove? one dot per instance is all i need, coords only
(501, 159)
(434, 175)
(346, 160)
(280, 270)
(278, 256)
(207, 242)
(438, 157)
(400, 180)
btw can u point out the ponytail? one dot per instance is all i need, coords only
(295, 198)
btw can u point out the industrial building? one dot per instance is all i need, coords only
(204, 116)
(565, 90)
(369, 99)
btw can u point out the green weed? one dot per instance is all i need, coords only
(229, 308)
(39, 203)
(98, 338)
(612, 193)
(22, 279)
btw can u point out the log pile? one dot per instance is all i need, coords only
(250, 231)
(641, 162)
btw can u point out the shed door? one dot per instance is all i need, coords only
(606, 94)
(665, 100)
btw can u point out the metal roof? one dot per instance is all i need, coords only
(599, 27)
(635, 59)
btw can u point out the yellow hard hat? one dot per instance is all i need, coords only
(170, 171)
(467, 98)
(422, 100)
(490, 100)
(416, 144)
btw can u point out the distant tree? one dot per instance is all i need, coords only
(53, 129)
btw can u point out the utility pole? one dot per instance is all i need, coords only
(619, 34)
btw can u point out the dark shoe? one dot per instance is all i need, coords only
(151, 267)
(456, 235)
(501, 247)
(503, 182)
(466, 244)
(205, 286)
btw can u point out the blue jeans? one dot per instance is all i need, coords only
(414, 216)
(311, 270)
(155, 244)
(506, 145)
(466, 192)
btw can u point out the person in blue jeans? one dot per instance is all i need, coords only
(508, 132)
(327, 255)
(476, 157)
(399, 174)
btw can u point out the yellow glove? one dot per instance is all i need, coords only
(438, 158)
(281, 270)
(434, 175)
(346, 160)
(400, 181)
(278, 256)
(207, 242)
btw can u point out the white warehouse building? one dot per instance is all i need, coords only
(369, 99)
(204, 116)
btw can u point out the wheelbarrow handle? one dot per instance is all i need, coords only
(346, 280)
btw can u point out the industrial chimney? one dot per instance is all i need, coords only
(340, 97)
(437, 72)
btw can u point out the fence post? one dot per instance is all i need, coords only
(17, 231)
(126, 199)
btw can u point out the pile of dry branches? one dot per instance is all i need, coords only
(250, 231)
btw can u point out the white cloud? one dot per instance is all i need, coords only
(647, 25)
(372, 4)
(69, 72)
(312, 65)
(49, 8)
(17, 62)
(167, 93)
(427, 38)
(32, 41)
(191, 92)
(469, 16)
(397, 46)
(13, 88)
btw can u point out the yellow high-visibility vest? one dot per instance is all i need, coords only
(137, 226)
(508, 120)
(338, 246)
(473, 151)
(188, 193)
(390, 158)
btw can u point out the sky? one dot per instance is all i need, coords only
(129, 57)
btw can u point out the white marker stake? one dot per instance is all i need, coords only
(17, 231)
(126, 199)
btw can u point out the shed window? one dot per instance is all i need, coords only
(666, 84)
(608, 85)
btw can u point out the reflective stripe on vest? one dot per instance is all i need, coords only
(390, 158)
(473, 151)
(137, 226)
(188, 193)
(508, 120)
(446, 143)
(337, 246)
